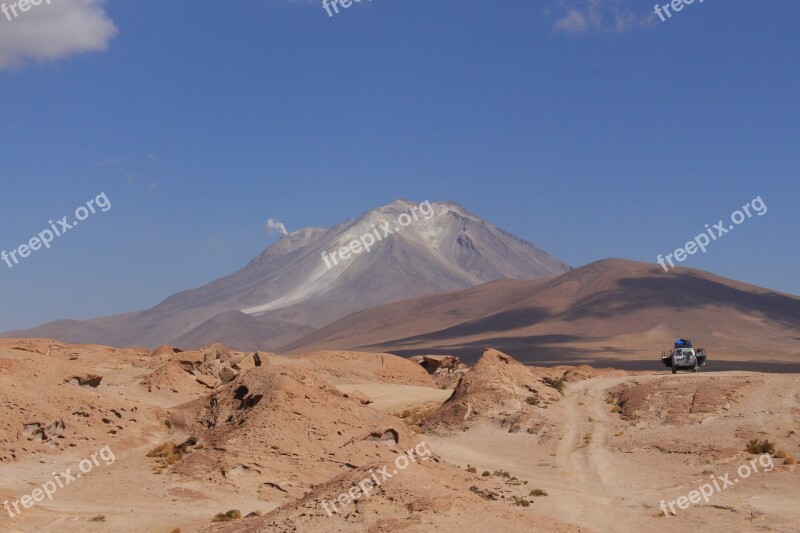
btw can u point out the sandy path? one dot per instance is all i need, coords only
(593, 484)
(583, 456)
(391, 398)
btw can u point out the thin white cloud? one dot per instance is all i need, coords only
(51, 31)
(110, 161)
(144, 182)
(577, 17)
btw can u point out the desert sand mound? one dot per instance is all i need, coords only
(360, 367)
(496, 388)
(166, 350)
(427, 495)
(280, 430)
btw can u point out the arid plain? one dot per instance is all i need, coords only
(219, 440)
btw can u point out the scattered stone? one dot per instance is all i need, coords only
(89, 380)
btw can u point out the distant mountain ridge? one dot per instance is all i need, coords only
(612, 310)
(288, 291)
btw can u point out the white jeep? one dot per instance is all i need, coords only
(684, 357)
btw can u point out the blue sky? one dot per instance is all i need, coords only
(592, 129)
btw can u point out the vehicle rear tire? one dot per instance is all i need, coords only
(694, 369)
(674, 370)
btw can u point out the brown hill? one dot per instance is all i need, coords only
(609, 312)
(245, 332)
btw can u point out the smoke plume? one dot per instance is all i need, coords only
(274, 225)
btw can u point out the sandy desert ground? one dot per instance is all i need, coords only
(181, 437)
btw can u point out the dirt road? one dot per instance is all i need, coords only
(607, 474)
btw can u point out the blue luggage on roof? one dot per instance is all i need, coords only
(683, 343)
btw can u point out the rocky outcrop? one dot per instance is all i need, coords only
(446, 370)
(39, 432)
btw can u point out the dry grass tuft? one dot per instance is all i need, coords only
(233, 514)
(169, 453)
(558, 384)
(413, 417)
(765, 446)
